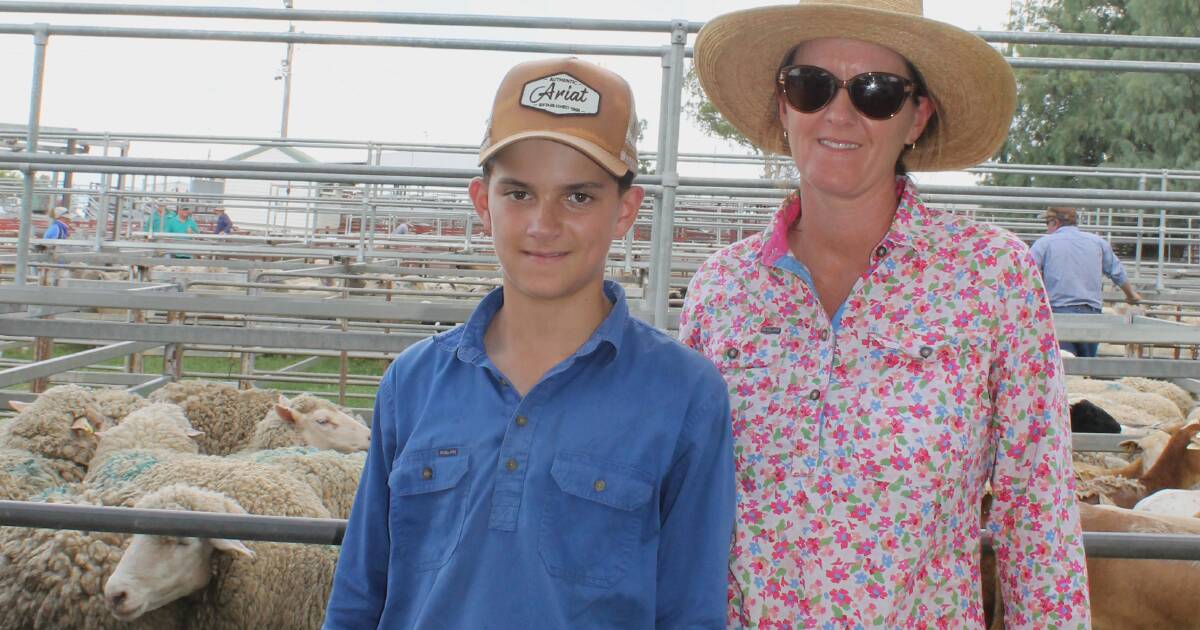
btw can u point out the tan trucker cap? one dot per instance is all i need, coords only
(566, 100)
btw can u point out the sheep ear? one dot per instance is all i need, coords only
(232, 546)
(98, 420)
(18, 405)
(194, 432)
(1129, 446)
(285, 413)
(83, 425)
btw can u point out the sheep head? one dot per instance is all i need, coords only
(157, 570)
(321, 424)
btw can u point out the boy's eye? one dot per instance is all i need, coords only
(518, 195)
(578, 197)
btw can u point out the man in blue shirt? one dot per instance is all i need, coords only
(224, 223)
(59, 225)
(554, 462)
(1072, 262)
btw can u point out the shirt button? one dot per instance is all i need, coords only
(511, 464)
(599, 486)
(732, 354)
(925, 352)
(427, 473)
(881, 251)
(814, 394)
(824, 335)
(522, 421)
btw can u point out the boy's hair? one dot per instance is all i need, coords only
(624, 182)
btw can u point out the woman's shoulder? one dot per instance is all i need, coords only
(947, 228)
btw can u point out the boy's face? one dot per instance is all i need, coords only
(553, 213)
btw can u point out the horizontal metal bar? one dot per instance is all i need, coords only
(144, 389)
(1117, 65)
(1090, 39)
(322, 531)
(49, 367)
(1098, 442)
(214, 335)
(1115, 329)
(336, 40)
(1118, 367)
(376, 17)
(318, 531)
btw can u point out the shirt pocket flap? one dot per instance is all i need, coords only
(426, 471)
(606, 483)
(732, 355)
(920, 345)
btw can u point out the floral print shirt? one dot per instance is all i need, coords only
(863, 445)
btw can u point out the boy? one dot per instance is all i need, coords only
(552, 463)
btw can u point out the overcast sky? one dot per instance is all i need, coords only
(362, 93)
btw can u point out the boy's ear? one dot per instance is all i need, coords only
(478, 191)
(631, 202)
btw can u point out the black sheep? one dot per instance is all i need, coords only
(1088, 418)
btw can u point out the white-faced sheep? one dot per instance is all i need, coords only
(54, 579)
(254, 585)
(308, 420)
(58, 430)
(227, 416)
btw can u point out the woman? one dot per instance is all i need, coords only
(885, 360)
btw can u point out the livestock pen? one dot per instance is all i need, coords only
(291, 293)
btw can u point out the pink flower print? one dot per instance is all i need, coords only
(837, 573)
(840, 597)
(876, 591)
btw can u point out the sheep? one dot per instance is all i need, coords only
(1170, 391)
(1138, 409)
(334, 476)
(117, 403)
(227, 416)
(1175, 468)
(1171, 502)
(308, 420)
(52, 579)
(1086, 417)
(259, 585)
(155, 426)
(59, 426)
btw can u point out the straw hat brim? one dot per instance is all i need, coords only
(973, 87)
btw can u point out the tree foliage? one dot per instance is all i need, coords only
(1089, 118)
(705, 114)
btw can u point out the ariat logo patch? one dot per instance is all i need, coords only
(562, 95)
(447, 452)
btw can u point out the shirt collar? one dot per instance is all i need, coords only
(610, 331)
(909, 225)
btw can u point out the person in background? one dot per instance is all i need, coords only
(181, 223)
(1073, 265)
(60, 224)
(224, 223)
(158, 219)
(887, 361)
(402, 228)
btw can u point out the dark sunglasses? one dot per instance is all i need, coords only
(878, 95)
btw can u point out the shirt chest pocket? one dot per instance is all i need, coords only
(428, 505)
(919, 403)
(594, 519)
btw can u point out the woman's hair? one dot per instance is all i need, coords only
(919, 90)
(624, 182)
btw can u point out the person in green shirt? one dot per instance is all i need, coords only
(181, 223)
(158, 219)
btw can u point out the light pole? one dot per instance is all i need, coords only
(286, 74)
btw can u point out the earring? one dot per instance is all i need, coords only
(912, 147)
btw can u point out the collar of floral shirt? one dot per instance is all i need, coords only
(910, 225)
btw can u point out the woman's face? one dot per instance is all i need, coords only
(838, 150)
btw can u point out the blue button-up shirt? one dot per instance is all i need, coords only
(1072, 262)
(601, 499)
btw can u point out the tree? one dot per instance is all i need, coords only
(711, 122)
(1089, 118)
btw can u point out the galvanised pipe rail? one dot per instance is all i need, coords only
(645, 26)
(327, 531)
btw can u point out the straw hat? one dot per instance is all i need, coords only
(737, 55)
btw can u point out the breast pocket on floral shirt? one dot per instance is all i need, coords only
(428, 504)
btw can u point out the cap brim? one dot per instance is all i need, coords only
(598, 155)
(737, 54)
